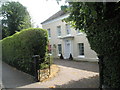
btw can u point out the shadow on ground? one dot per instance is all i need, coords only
(13, 78)
(88, 66)
(82, 83)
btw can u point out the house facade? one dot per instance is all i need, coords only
(65, 40)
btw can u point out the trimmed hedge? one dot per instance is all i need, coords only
(18, 49)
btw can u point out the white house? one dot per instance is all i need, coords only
(66, 40)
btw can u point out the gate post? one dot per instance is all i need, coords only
(36, 63)
(100, 70)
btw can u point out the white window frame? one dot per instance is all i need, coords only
(49, 33)
(68, 30)
(83, 51)
(59, 31)
(79, 32)
(58, 49)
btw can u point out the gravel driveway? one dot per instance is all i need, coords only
(72, 74)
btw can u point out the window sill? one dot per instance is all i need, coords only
(68, 35)
(50, 54)
(49, 37)
(59, 36)
(79, 34)
(81, 56)
(59, 55)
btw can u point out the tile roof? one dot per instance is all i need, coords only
(56, 15)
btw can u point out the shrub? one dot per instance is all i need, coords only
(106, 43)
(61, 56)
(19, 48)
(71, 58)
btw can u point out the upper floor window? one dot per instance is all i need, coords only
(68, 31)
(49, 32)
(81, 48)
(79, 32)
(59, 30)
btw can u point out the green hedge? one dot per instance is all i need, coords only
(18, 49)
(107, 44)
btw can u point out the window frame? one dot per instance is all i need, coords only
(68, 30)
(49, 32)
(59, 47)
(81, 49)
(59, 31)
(79, 32)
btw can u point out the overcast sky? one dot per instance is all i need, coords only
(40, 10)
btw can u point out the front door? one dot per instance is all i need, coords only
(67, 49)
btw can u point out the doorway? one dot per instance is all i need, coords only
(67, 49)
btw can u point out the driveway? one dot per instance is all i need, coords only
(72, 74)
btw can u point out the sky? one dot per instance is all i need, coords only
(40, 10)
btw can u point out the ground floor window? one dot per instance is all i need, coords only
(59, 48)
(49, 49)
(81, 48)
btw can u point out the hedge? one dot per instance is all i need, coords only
(18, 49)
(107, 44)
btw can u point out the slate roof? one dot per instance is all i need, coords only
(56, 15)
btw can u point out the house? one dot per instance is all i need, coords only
(66, 40)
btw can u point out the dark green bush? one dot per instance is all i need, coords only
(18, 49)
(107, 44)
(61, 56)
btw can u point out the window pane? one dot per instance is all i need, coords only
(59, 30)
(81, 49)
(67, 29)
(78, 31)
(49, 33)
(59, 48)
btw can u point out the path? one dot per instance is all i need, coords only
(12, 78)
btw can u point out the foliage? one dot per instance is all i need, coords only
(19, 48)
(101, 23)
(48, 61)
(15, 18)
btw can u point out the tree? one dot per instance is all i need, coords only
(15, 18)
(101, 22)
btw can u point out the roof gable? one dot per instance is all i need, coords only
(56, 15)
